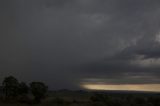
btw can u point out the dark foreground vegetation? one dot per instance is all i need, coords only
(14, 91)
(35, 94)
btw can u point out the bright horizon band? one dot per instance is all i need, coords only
(125, 87)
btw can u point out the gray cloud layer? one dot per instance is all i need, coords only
(57, 41)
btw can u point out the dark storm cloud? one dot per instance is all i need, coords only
(60, 40)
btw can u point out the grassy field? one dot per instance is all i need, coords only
(81, 98)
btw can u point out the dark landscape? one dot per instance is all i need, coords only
(85, 98)
(14, 93)
(79, 52)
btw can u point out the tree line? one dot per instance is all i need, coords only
(13, 89)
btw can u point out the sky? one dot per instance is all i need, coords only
(71, 44)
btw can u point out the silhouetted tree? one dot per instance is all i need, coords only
(10, 86)
(38, 90)
(23, 88)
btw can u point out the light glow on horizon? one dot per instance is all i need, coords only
(123, 87)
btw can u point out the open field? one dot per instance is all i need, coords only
(82, 98)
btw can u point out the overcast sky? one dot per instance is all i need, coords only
(67, 42)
